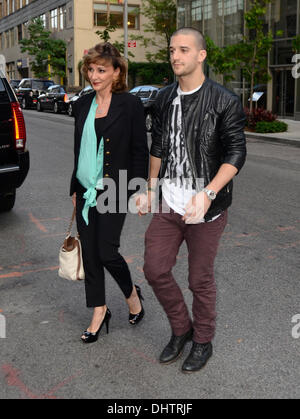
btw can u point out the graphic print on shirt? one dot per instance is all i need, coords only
(178, 168)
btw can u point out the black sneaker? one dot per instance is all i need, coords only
(199, 355)
(175, 347)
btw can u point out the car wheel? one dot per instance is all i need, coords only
(56, 108)
(39, 107)
(7, 200)
(70, 110)
(23, 103)
(149, 122)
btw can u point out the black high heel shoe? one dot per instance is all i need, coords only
(92, 337)
(136, 318)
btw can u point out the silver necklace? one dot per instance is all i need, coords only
(101, 111)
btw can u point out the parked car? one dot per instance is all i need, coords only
(14, 157)
(55, 99)
(14, 83)
(147, 94)
(72, 100)
(29, 90)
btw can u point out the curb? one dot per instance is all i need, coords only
(274, 140)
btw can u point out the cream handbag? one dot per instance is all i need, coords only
(70, 256)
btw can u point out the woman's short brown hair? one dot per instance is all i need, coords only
(103, 53)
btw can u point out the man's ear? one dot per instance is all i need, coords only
(202, 55)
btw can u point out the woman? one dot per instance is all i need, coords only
(110, 136)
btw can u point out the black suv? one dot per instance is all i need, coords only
(14, 158)
(29, 90)
(147, 94)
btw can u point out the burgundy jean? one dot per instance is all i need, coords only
(163, 239)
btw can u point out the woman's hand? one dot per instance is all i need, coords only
(141, 202)
(145, 202)
(74, 199)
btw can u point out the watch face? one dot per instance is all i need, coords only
(212, 194)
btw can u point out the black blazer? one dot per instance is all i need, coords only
(124, 134)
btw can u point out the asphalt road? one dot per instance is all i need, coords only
(257, 274)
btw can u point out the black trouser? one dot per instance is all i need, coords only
(100, 241)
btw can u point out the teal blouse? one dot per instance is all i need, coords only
(90, 162)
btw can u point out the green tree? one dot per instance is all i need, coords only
(161, 15)
(252, 53)
(221, 60)
(104, 35)
(44, 51)
(296, 44)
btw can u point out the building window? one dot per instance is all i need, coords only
(43, 18)
(7, 41)
(201, 9)
(196, 10)
(20, 33)
(70, 14)
(230, 6)
(115, 12)
(62, 11)
(53, 19)
(12, 37)
(25, 29)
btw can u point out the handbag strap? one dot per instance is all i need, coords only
(71, 222)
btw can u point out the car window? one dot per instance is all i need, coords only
(62, 90)
(144, 92)
(41, 85)
(26, 84)
(135, 90)
(3, 93)
(55, 90)
(86, 90)
(154, 94)
(14, 83)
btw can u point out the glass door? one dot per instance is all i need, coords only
(284, 93)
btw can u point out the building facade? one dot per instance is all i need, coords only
(223, 22)
(74, 21)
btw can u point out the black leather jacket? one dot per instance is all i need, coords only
(213, 126)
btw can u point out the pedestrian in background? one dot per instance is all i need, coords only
(110, 135)
(198, 146)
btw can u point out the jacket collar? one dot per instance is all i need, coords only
(114, 111)
(173, 89)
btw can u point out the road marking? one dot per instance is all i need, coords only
(37, 223)
(13, 380)
(144, 356)
(20, 274)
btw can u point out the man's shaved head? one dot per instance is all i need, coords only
(199, 38)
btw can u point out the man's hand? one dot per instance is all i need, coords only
(196, 208)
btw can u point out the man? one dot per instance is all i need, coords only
(198, 146)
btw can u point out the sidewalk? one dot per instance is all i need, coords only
(292, 136)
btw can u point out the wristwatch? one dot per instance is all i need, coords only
(211, 194)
